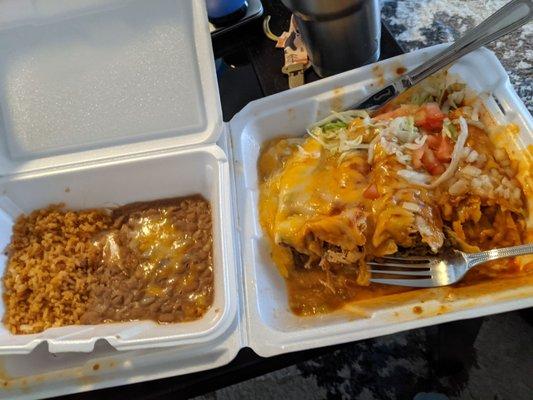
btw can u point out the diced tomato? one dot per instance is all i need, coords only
(416, 156)
(402, 111)
(438, 170)
(445, 150)
(430, 162)
(433, 142)
(429, 117)
(442, 146)
(371, 192)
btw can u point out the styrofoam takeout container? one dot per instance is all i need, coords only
(117, 101)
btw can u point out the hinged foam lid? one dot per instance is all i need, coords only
(92, 79)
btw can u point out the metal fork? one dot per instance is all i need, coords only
(442, 270)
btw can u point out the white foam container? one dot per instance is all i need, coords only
(171, 151)
(271, 327)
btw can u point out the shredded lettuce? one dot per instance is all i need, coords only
(404, 129)
(449, 130)
(332, 131)
(453, 132)
(334, 125)
(400, 137)
(421, 98)
(344, 116)
(430, 90)
(442, 88)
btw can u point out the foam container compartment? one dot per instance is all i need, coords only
(272, 327)
(203, 171)
(127, 135)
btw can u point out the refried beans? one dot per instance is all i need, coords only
(156, 264)
(142, 261)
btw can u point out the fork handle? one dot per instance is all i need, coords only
(474, 259)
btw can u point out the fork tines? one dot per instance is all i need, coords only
(418, 266)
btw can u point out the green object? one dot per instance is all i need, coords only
(334, 125)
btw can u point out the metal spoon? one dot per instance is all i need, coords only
(508, 18)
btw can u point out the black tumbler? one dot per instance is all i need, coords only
(339, 34)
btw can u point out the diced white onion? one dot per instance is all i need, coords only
(411, 206)
(470, 170)
(472, 156)
(458, 188)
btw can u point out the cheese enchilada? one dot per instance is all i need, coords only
(421, 176)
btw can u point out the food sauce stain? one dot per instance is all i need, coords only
(379, 74)
(3, 372)
(400, 70)
(337, 101)
(291, 114)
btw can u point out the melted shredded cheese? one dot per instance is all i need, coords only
(359, 187)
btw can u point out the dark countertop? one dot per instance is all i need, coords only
(477, 359)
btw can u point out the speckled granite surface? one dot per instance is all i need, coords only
(481, 359)
(422, 23)
(489, 358)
